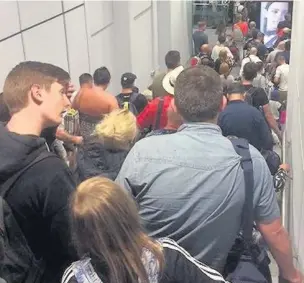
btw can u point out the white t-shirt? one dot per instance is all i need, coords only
(282, 74)
(250, 58)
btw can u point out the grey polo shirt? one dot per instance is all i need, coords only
(190, 187)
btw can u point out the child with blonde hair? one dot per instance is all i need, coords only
(104, 152)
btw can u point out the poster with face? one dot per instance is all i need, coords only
(271, 14)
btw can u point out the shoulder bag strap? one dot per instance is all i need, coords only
(31, 161)
(241, 146)
(158, 113)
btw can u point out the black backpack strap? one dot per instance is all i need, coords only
(158, 113)
(241, 146)
(40, 155)
(133, 97)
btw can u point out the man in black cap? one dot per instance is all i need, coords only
(128, 98)
(243, 120)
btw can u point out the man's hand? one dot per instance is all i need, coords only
(285, 167)
(78, 140)
(298, 278)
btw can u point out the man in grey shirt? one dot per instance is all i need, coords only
(190, 185)
(200, 37)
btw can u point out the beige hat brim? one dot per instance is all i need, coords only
(167, 80)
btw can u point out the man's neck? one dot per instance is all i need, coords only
(25, 123)
(126, 90)
(101, 87)
(246, 82)
(236, 98)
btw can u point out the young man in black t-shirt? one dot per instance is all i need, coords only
(136, 102)
(259, 96)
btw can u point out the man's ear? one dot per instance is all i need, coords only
(172, 105)
(224, 103)
(36, 93)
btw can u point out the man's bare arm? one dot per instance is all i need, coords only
(279, 244)
(271, 121)
(66, 137)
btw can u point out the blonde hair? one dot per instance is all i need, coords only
(106, 226)
(118, 129)
(223, 55)
(22, 77)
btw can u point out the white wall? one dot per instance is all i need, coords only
(80, 36)
(294, 144)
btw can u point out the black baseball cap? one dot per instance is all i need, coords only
(128, 79)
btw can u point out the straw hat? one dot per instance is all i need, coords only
(170, 79)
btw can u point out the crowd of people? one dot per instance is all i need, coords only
(144, 186)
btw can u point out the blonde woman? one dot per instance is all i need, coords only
(114, 248)
(226, 78)
(104, 152)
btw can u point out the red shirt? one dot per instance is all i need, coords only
(243, 26)
(147, 117)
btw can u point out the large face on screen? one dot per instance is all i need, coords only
(275, 13)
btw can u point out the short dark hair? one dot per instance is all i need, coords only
(287, 45)
(198, 94)
(287, 17)
(250, 71)
(172, 59)
(4, 111)
(259, 66)
(255, 34)
(127, 80)
(221, 39)
(102, 76)
(85, 78)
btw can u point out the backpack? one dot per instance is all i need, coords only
(127, 102)
(249, 95)
(17, 261)
(247, 262)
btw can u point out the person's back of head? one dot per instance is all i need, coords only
(205, 49)
(198, 94)
(86, 80)
(252, 25)
(254, 34)
(287, 17)
(106, 226)
(127, 80)
(281, 59)
(224, 69)
(239, 18)
(281, 45)
(117, 130)
(249, 71)
(172, 59)
(202, 25)
(4, 111)
(39, 88)
(287, 45)
(102, 77)
(235, 91)
(260, 67)
(223, 55)
(221, 39)
(260, 36)
(253, 51)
